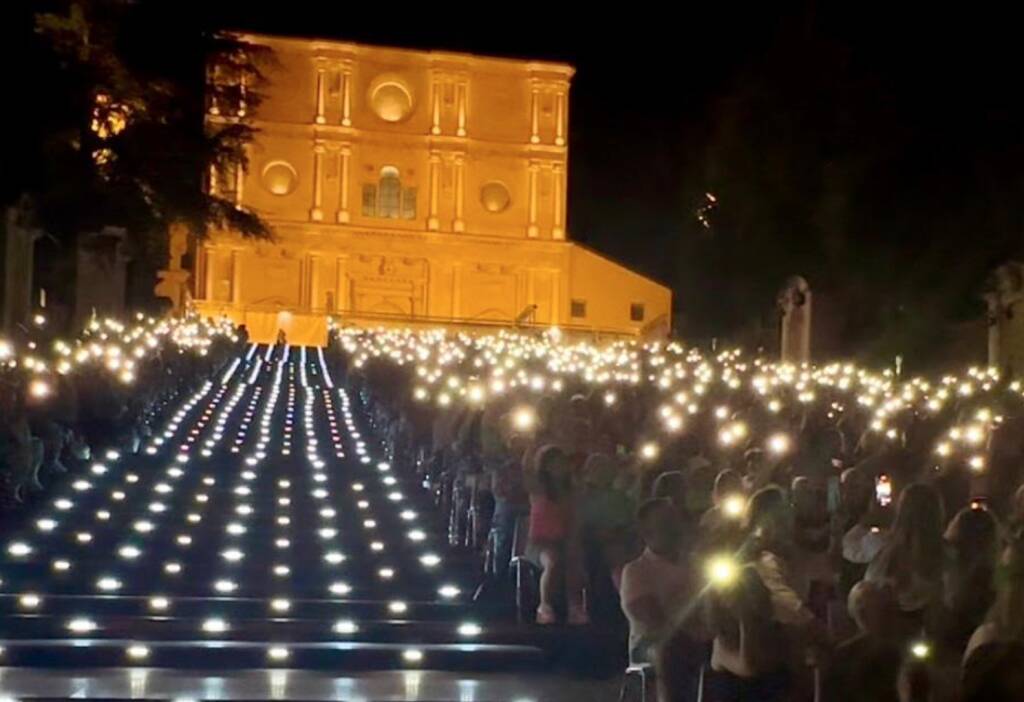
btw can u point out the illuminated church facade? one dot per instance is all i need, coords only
(411, 187)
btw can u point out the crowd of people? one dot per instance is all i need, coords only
(62, 402)
(768, 532)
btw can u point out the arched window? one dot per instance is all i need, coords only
(387, 198)
(389, 193)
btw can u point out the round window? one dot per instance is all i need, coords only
(391, 101)
(494, 197)
(279, 177)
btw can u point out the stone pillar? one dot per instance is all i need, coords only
(343, 286)
(17, 255)
(435, 111)
(343, 158)
(346, 97)
(458, 224)
(209, 261)
(558, 181)
(1005, 292)
(100, 275)
(172, 281)
(239, 183)
(560, 103)
(320, 87)
(461, 97)
(433, 222)
(316, 213)
(535, 113)
(236, 277)
(794, 303)
(531, 229)
(312, 281)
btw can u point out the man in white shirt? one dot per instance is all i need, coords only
(657, 584)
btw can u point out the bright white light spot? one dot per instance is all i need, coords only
(81, 625)
(29, 600)
(345, 626)
(108, 584)
(137, 652)
(129, 552)
(215, 626)
(448, 591)
(470, 629)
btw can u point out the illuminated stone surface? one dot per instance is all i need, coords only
(410, 186)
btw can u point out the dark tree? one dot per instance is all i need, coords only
(116, 134)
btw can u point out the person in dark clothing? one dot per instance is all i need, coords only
(866, 667)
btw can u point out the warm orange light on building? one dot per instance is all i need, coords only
(411, 187)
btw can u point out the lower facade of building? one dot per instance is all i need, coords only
(309, 274)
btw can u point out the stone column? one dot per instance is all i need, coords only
(317, 214)
(236, 278)
(346, 98)
(1005, 325)
(343, 286)
(435, 128)
(343, 158)
(320, 79)
(558, 178)
(433, 223)
(462, 89)
(312, 281)
(17, 253)
(794, 302)
(210, 259)
(239, 183)
(535, 113)
(556, 299)
(560, 118)
(531, 229)
(459, 224)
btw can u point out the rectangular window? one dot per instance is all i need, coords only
(636, 312)
(370, 200)
(578, 308)
(390, 197)
(227, 180)
(409, 203)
